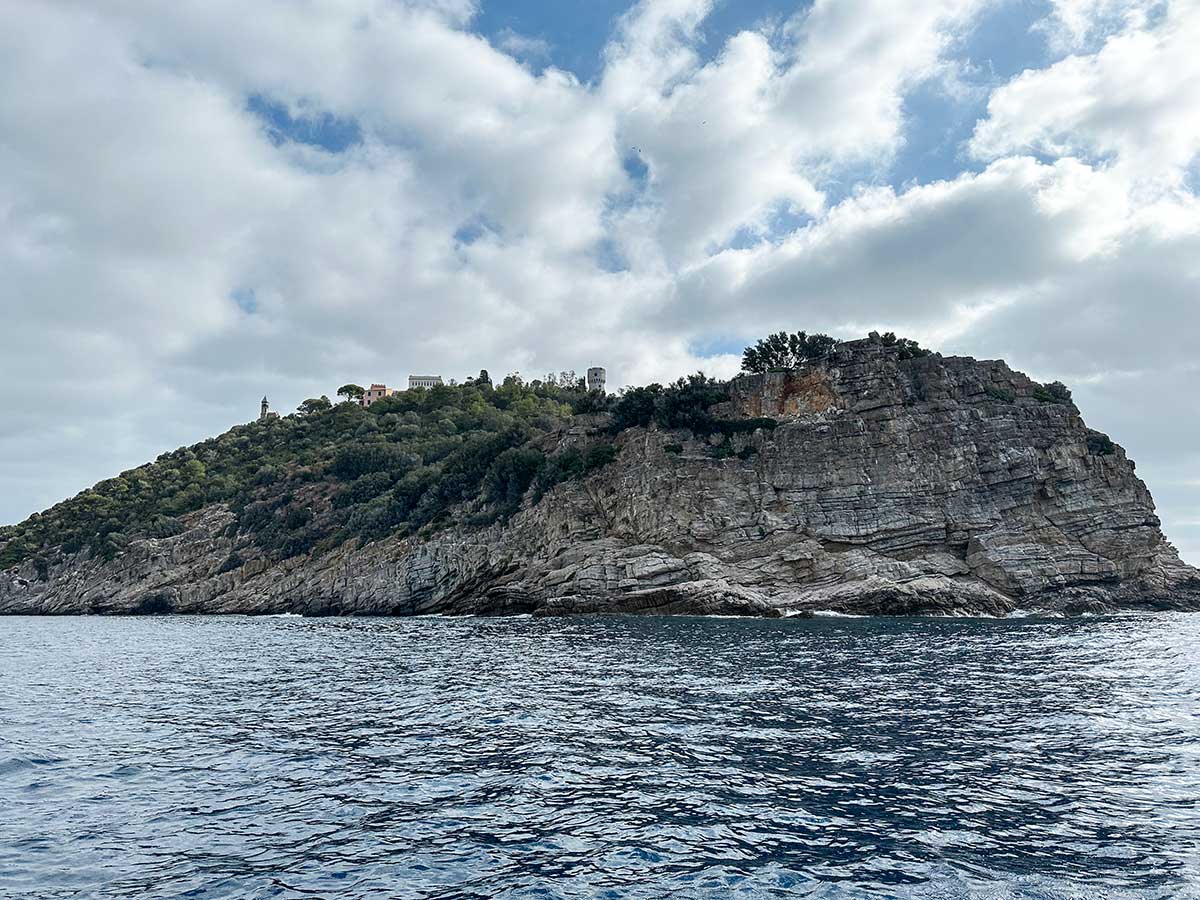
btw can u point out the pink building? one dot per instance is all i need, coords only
(376, 392)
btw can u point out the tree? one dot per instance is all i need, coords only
(635, 407)
(510, 475)
(1054, 392)
(352, 392)
(909, 349)
(314, 405)
(686, 402)
(783, 351)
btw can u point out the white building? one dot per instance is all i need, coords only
(595, 378)
(424, 381)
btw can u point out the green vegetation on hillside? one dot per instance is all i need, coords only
(325, 474)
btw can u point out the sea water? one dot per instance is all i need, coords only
(602, 757)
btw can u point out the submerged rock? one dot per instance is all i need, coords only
(889, 487)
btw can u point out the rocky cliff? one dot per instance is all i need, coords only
(888, 486)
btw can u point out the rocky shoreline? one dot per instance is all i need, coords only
(890, 486)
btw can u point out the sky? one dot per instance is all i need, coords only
(203, 202)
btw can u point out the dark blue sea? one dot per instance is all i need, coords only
(601, 758)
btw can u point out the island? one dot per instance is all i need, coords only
(865, 477)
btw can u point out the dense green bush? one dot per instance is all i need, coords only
(783, 351)
(361, 458)
(509, 477)
(1054, 392)
(636, 407)
(909, 349)
(1100, 444)
(685, 404)
(560, 467)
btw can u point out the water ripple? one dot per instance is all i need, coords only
(600, 758)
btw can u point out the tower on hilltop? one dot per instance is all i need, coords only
(595, 378)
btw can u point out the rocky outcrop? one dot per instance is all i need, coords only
(889, 486)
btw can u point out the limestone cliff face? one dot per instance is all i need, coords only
(890, 486)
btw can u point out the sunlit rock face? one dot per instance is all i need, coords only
(889, 486)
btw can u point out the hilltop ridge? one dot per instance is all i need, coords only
(872, 478)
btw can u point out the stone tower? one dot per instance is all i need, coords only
(264, 409)
(595, 378)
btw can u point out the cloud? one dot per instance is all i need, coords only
(522, 46)
(1072, 24)
(1136, 101)
(774, 116)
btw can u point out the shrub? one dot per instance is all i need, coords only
(676, 449)
(686, 402)
(1100, 444)
(1054, 392)
(364, 488)
(233, 561)
(559, 468)
(591, 402)
(360, 459)
(786, 351)
(636, 407)
(314, 405)
(1000, 394)
(298, 518)
(599, 456)
(509, 476)
(164, 527)
(909, 349)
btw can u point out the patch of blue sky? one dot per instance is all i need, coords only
(245, 299)
(316, 129)
(731, 17)
(608, 257)
(639, 179)
(717, 346)
(572, 36)
(782, 221)
(569, 36)
(1191, 177)
(940, 116)
(635, 167)
(473, 229)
